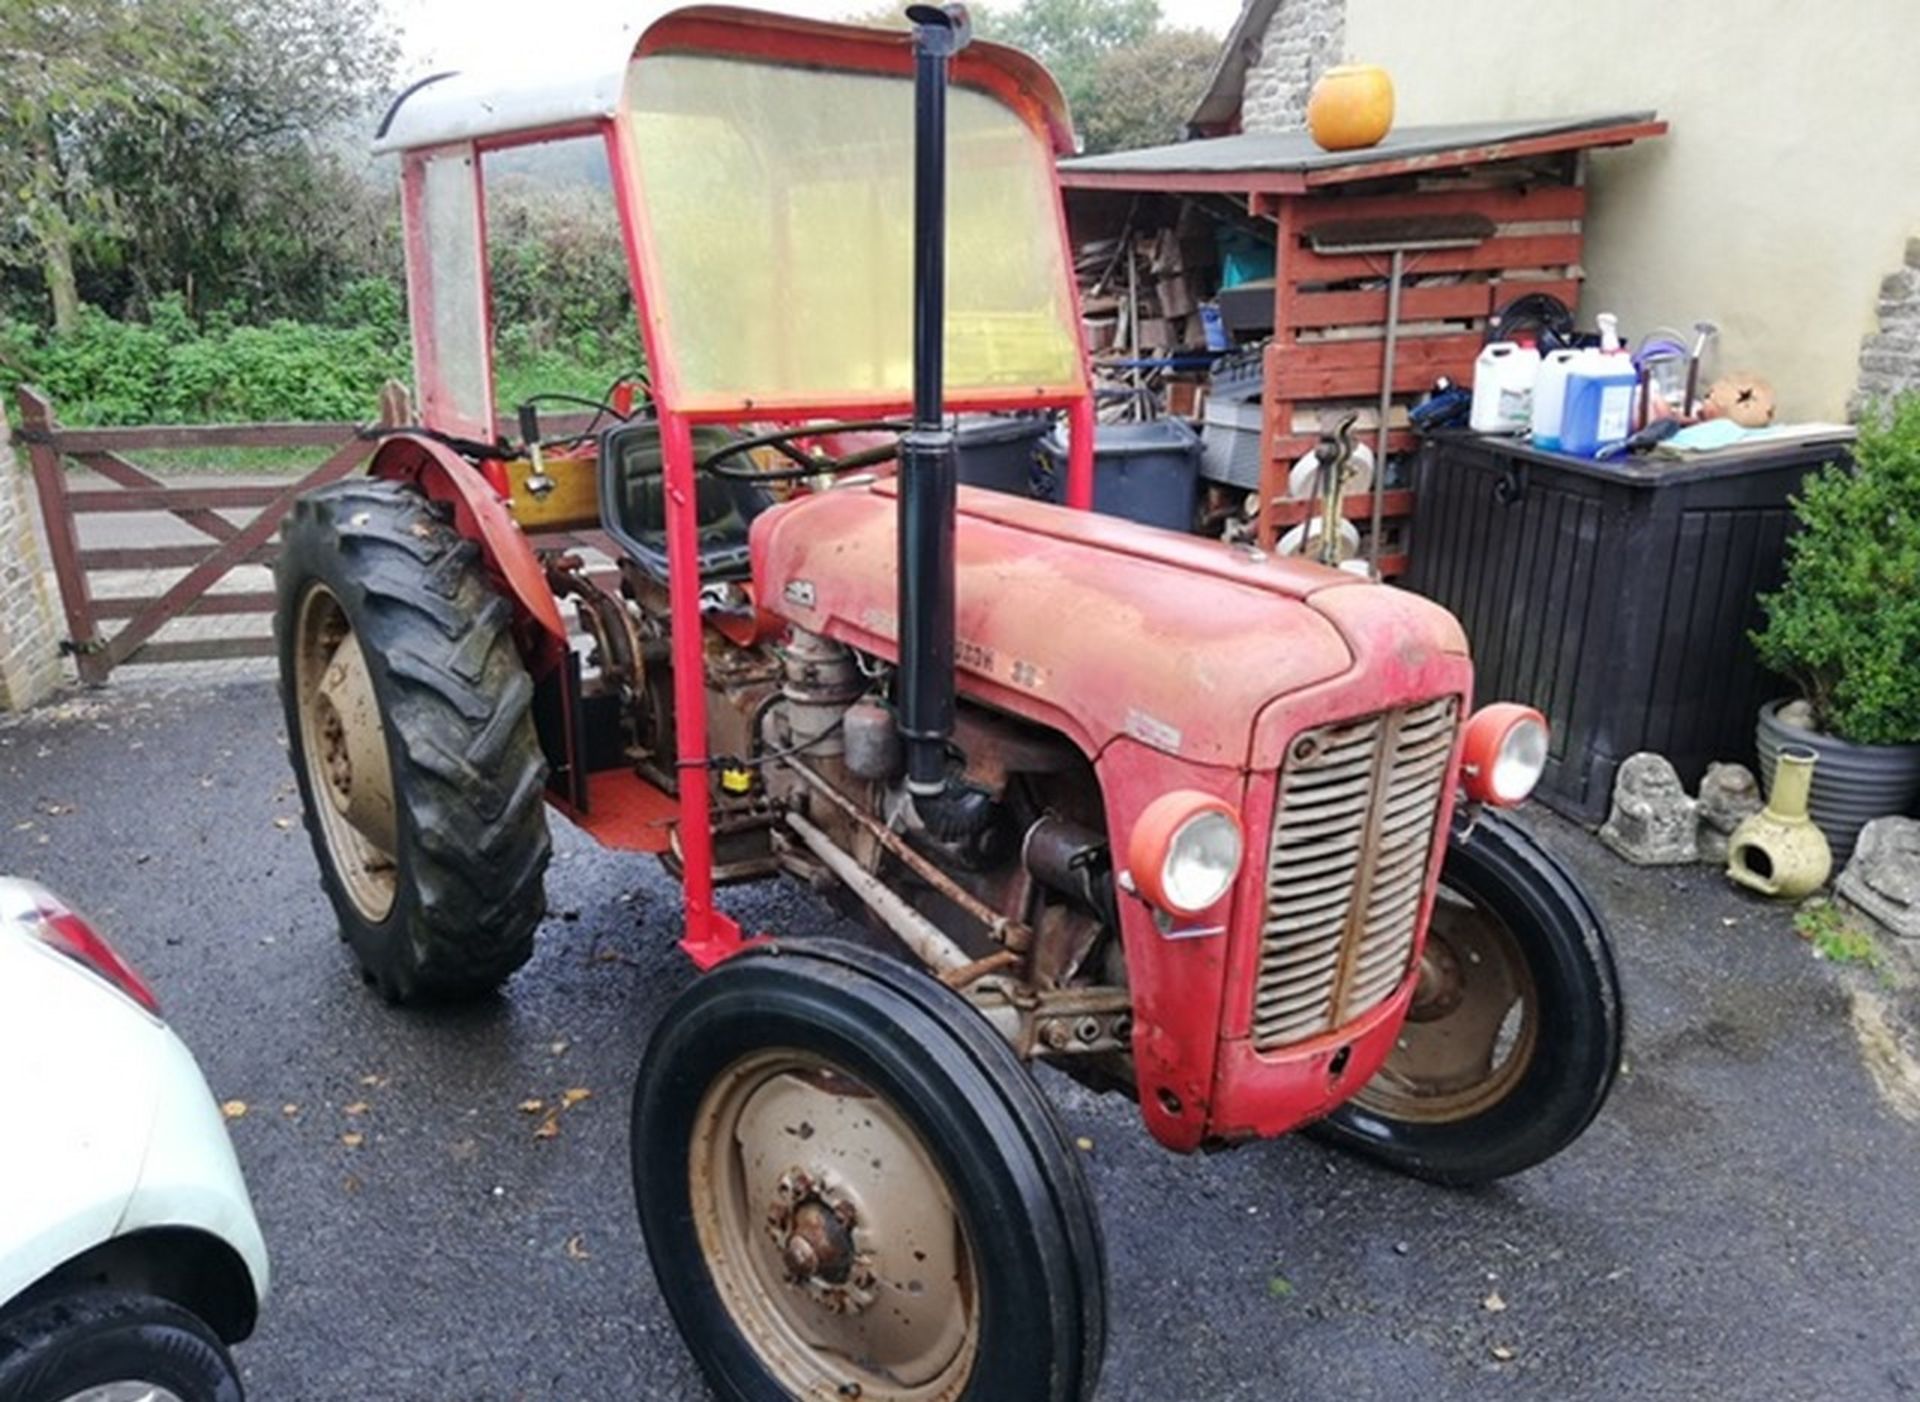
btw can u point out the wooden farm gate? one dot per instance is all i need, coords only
(109, 631)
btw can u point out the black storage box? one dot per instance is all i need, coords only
(999, 451)
(1616, 598)
(1147, 472)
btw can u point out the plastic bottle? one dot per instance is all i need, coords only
(1550, 395)
(1599, 399)
(1503, 376)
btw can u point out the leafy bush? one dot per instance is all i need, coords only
(1845, 626)
(172, 369)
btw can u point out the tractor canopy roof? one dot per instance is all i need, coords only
(764, 166)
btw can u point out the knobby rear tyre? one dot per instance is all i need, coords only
(464, 890)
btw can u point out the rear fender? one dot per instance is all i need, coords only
(480, 516)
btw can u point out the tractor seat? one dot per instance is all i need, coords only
(633, 497)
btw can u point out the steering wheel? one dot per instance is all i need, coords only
(785, 442)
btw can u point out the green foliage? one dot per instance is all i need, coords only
(1128, 81)
(556, 263)
(172, 370)
(1072, 37)
(1142, 94)
(1823, 925)
(1845, 626)
(185, 146)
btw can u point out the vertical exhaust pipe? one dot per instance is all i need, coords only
(929, 456)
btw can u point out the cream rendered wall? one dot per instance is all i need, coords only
(1781, 198)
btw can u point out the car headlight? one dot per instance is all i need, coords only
(1504, 754)
(1185, 852)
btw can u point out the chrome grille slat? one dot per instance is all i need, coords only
(1338, 932)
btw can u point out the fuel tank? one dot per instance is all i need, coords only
(1093, 625)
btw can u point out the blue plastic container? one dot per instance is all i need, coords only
(1598, 412)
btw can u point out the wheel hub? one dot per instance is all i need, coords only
(1441, 985)
(1471, 1025)
(813, 1226)
(832, 1234)
(349, 778)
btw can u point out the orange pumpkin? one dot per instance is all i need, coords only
(1351, 107)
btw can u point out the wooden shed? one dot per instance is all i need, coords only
(1522, 182)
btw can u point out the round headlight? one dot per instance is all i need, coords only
(1185, 852)
(1504, 754)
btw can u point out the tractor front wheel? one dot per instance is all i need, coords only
(408, 717)
(1513, 1038)
(850, 1187)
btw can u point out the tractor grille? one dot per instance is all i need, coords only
(1352, 835)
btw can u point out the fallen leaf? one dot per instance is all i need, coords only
(350, 1183)
(1493, 1304)
(1502, 1353)
(289, 1109)
(1279, 1287)
(577, 1248)
(571, 1098)
(547, 1128)
(1084, 1144)
(376, 1079)
(353, 1139)
(359, 1107)
(233, 1109)
(532, 1106)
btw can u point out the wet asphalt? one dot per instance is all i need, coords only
(1741, 1222)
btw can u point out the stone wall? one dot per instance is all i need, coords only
(1303, 40)
(1890, 357)
(29, 636)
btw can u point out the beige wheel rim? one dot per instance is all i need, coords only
(831, 1235)
(1472, 1029)
(345, 744)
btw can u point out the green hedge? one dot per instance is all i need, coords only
(172, 369)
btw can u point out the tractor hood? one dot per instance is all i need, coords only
(1092, 625)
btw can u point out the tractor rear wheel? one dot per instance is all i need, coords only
(1514, 1035)
(409, 722)
(850, 1187)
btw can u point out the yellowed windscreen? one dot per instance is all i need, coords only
(778, 203)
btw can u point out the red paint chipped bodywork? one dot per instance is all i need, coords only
(1093, 626)
(1090, 625)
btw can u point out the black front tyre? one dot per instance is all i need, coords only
(411, 730)
(1514, 1036)
(93, 1339)
(850, 1187)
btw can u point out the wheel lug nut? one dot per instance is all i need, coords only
(800, 1257)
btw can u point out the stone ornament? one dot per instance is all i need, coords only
(1729, 795)
(1653, 822)
(1882, 881)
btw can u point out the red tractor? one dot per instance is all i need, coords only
(1200, 825)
